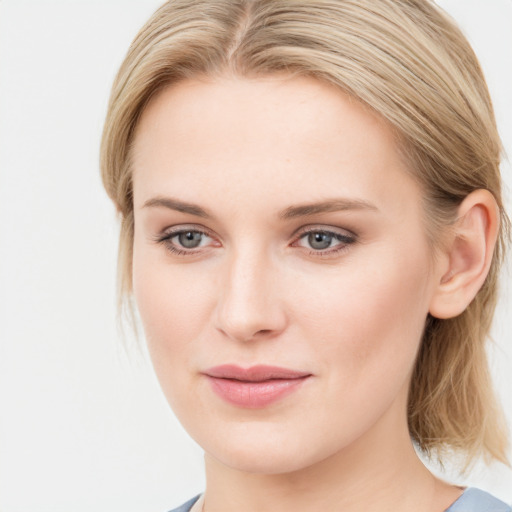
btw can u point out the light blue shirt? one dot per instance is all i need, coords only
(475, 500)
(472, 500)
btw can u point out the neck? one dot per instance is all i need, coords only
(380, 471)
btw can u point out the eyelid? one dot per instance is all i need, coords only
(181, 228)
(322, 228)
(345, 238)
(165, 236)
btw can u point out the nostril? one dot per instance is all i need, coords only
(263, 332)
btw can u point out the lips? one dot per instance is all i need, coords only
(254, 387)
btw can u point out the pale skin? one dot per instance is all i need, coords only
(231, 161)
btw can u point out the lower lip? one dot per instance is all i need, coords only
(254, 395)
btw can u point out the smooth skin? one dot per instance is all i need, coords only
(233, 264)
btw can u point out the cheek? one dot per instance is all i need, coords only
(172, 310)
(364, 328)
(369, 317)
(174, 305)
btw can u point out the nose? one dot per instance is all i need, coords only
(250, 303)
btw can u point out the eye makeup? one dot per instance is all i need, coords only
(186, 240)
(322, 242)
(318, 241)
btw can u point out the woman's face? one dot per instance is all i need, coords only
(276, 225)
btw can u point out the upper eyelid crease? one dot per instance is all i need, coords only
(324, 229)
(342, 237)
(169, 234)
(301, 233)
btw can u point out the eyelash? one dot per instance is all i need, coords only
(345, 241)
(166, 238)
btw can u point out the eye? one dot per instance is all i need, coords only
(189, 239)
(185, 241)
(319, 241)
(324, 242)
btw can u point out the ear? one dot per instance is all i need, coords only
(466, 260)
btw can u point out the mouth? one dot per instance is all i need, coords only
(255, 387)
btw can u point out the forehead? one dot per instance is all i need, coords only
(284, 137)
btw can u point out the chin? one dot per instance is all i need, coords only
(264, 453)
(261, 461)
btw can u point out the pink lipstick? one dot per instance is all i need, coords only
(254, 387)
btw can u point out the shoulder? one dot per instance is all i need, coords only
(475, 500)
(472, 500)
(186, 506)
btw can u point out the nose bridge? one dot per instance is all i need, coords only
(249, 302)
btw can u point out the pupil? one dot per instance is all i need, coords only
(319, 240)
(190, 239)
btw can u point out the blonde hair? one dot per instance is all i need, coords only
(406, 60)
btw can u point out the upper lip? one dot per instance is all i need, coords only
(256, 373)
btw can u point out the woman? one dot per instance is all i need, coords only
(312, 230)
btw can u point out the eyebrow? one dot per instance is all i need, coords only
(292, 212)
(179, 206)
(330, 205)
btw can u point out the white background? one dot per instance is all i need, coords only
(83, 426)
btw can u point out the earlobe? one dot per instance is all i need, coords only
(468, 255)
